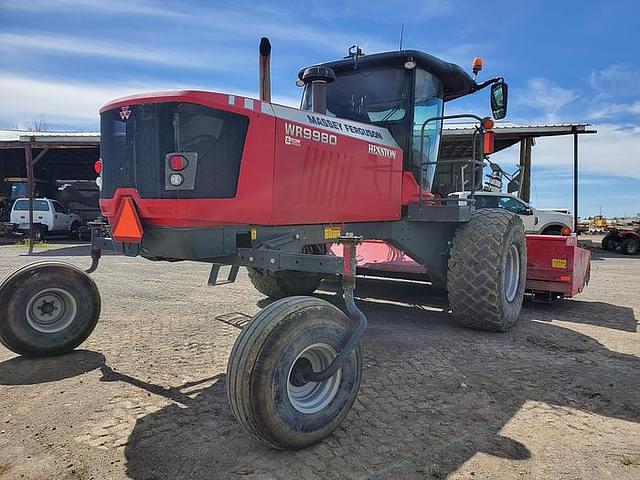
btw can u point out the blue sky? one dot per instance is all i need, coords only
(565, 61)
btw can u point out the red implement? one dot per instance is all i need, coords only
(556, 266)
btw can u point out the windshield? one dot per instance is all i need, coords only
(368, 96)
(427, 104)
(38, 205)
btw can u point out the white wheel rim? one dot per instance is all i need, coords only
(312, 397)
(511, 274)
(51, 310)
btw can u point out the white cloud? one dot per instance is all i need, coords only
(546, 96)
(11, 42)
(124, 8)
(615, 110)
(615, 80)
(76, 104)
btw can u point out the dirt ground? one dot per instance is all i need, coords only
(144, 397)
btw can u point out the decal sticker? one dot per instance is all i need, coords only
(558, 263)
(331, 233)
(292, 141)
(125, 112)
(307, 133)
(382, 151)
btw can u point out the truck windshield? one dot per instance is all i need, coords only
(38, 205)
(368, 96)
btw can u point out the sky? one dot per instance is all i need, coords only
(565, 62)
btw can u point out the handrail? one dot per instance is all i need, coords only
(472, 161)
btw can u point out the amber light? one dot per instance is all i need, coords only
(488, 123)
(565, 231)
(477, 64)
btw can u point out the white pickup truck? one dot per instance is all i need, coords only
(535, 220)
(49, 216)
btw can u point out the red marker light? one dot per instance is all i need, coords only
(98, 166)
(177, 163)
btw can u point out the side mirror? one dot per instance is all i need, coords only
(499, 95)
(528, 211)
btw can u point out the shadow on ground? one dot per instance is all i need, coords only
(31, 371)
(433, 395)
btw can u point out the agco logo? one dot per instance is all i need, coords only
(125, 112)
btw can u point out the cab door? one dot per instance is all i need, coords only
(61, 220)
(521, 209)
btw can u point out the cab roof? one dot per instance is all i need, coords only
(456, 82)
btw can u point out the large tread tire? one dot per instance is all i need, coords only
(283, 283)
(630, 246)
(261, 363)
(609, 243)
(477, 277)
(47, 309)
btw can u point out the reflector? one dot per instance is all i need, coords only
(126, 225)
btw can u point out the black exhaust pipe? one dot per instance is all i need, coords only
(265, 70)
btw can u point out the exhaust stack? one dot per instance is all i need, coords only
(265, 70)
(317, 79)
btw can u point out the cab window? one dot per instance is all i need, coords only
(58, 207)
(513, 205)
(428, 104)
(38, 205)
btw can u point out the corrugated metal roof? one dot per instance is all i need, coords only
(9, 138)
(16, 136)
(535, 130)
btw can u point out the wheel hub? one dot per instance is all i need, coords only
(311, 397)
(51, 310)
(511, 273)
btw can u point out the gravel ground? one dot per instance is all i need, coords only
(144, 397)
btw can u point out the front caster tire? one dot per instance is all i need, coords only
(264, 385)
(488, 270)
(283, 283)
(47, 309)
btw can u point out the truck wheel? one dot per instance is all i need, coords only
(487, 270)
(47, 308)
(283, 283)
(39, 233)
(609, 243)
(264, 387)
(73, 232)
(630, 246)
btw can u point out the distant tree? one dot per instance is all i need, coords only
(37, 124)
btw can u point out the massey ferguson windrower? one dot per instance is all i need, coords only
(228, 180)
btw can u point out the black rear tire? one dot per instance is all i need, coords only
(39, 233)
(488, 270)
(73, 232)
(555, 230)
(630, 246)
(610, 242)
(265, 395)
(47, 309)
(283, 283)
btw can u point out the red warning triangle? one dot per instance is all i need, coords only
(126, 226)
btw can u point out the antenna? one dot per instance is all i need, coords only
(401, 35)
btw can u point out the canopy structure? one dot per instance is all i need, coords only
(457, 143)
(75, 152)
